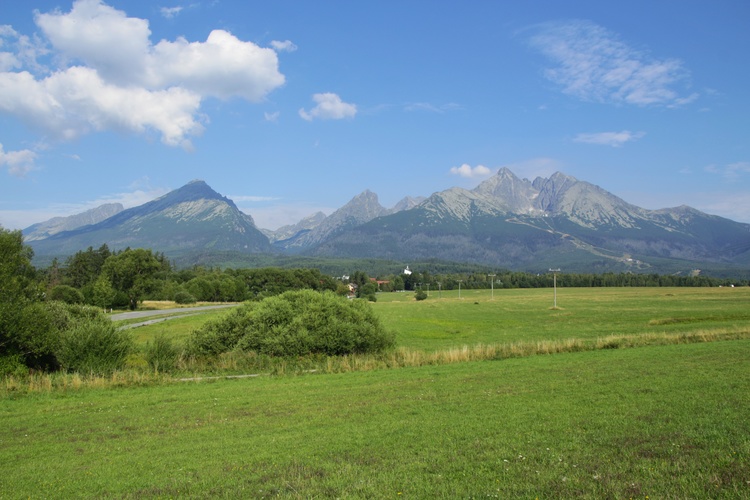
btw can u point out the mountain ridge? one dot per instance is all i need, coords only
(504, 221)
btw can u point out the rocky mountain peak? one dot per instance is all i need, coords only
(509, 192)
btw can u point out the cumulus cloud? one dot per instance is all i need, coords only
(593, 64)
(614, 139)
(109, 75)
(18, 163)
(467, 170)
(329, 107)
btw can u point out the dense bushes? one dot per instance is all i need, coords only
(94, 347)
(296, 323)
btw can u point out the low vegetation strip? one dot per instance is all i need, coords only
(233, 362)
(666, 421)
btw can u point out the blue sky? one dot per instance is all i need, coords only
(290, 107)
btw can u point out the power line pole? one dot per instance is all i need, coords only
(459, 288)
(554, 284)
(492, 285)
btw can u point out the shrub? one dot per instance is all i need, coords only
(94, 346)
(184, 297)
(296, 323)
(420, 295)
(161, 354)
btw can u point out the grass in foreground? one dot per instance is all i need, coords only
(663, 421)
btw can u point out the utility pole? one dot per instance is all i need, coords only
(492, 285)
(554, 284)
(440, 290)
(459, 288)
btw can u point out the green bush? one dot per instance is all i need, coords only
(161, 354)
(94, 346)
(184, 297)
(67, 294)
(420, 295)
(296, 323)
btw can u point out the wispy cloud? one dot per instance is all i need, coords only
(285, 46)
(170, 12)
(730, 171)
(593, 64)
(251, 198)
(432, 108)
(329, 106)
(470, 172)
(614, 139)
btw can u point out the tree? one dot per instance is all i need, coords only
(84, 267)
(132, 272)
(22, 330)
(104, 293)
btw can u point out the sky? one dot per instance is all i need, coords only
(290, 107)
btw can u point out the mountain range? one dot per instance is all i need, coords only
(504, 222)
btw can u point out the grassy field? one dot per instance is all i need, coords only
(659, 421)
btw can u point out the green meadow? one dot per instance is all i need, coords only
(645, 397)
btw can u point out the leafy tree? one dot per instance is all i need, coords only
(17, 292)
(84, 267)
(65, 293)
(103, 292)
(132, 272)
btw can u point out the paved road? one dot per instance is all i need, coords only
(179, 310)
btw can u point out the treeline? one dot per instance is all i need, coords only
(124, 278)
(510, 279)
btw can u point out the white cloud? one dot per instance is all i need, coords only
(170, 12)
(76, 101)
(468, 171)
(18, 163)
(271, 117)
(593, 64)
(614, 139)
(223, 66)
(285, 46)
(110, 75)
(329, 107)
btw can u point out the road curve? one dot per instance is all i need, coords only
(160, 312)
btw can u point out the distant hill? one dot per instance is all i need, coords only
(56, 225)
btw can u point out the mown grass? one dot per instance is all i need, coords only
(583, 313)
(663, 422)
(645, 395)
